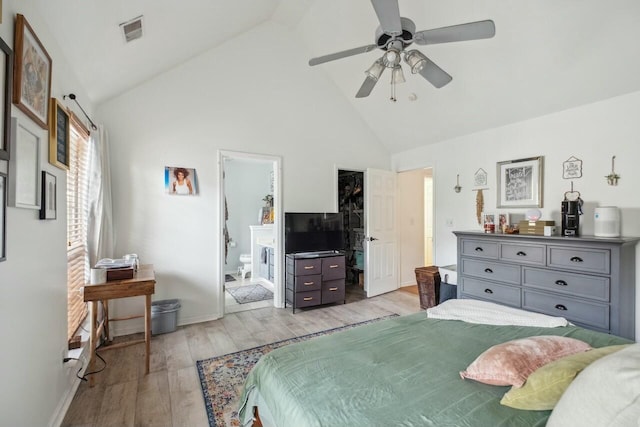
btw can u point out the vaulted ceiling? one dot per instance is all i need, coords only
(547, 55)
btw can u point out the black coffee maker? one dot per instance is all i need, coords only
(570, 217)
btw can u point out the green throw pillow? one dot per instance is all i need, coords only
(545, 385)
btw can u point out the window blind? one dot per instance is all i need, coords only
(77, 213)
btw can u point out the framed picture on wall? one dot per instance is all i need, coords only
(24, 166)
(32, 74)
(6, 77)
(59, 134)
(180, 181)
(48, 207)
(3, 216)
(520, 183)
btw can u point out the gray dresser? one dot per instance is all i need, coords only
(588, 280)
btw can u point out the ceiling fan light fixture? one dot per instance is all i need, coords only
(375, 71)
(391, 58)
(397, 76)
(416, 60)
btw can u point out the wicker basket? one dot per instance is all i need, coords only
(428, 279)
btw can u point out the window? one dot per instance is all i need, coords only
(77, 213)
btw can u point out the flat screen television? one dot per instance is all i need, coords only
(313, 232)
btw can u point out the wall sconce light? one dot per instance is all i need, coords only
(457, 188)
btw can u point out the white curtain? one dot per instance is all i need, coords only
(100, 235)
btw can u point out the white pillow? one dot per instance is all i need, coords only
(606, 393)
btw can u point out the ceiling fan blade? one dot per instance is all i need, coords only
(343, 54)
(367, 87)
(434, 74)
(457, 33)
(389, 16)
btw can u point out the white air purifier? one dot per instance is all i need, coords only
(607, 222)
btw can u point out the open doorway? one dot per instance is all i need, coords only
(415, 222)
(250, 224)
(351, 205)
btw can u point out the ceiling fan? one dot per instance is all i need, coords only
(397, 33)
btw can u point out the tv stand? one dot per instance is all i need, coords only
(314, 278)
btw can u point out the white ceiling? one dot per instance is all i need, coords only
(547, 55)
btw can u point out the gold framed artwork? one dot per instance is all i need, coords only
(59, 131)
(31, 74)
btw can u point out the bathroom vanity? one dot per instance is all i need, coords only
(262, 252)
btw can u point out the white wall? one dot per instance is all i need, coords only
(246, 183)
(33, 279)
(592, 133)
(411, 229)
(242, 96)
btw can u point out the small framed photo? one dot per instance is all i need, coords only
(32, 74)
(48, 204)
(24, 166)
(489, 222)
(503, 222)
(520, 183)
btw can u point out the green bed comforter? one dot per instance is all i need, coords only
(398, 372)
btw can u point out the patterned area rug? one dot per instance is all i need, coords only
(229, 278)
(250, 293)
(222, 377)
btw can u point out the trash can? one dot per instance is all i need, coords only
(164, 316)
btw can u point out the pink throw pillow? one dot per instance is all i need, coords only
(510, 363)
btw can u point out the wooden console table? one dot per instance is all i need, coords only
(142, 283)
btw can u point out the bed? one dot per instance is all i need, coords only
(404, 371)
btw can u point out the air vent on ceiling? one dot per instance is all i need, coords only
(132, 29)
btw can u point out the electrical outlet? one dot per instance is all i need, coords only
(449, 222)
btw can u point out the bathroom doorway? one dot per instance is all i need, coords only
(249, 202)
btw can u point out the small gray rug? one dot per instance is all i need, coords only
(250, 293)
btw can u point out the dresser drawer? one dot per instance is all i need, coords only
(579, 285)
(588, 313)
(491, 291)
(333, 291)
(491, 270)
(307, 299)
(312, 282)
(587, 260)
(524, 254)
(480, 249)
(333, 268)
(307, 266)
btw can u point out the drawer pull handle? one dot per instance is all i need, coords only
(561, 283)
(308, 283)
(333, 289)
(561, 307)
(308, 298)
(308, 267)
(488, 270)
(488, 291)
(520, 253)
(576, 259)
(479, 249)
(333, 266)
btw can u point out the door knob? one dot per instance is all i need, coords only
(371, 239)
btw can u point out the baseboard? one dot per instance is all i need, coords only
(73, 383)
(135, 326)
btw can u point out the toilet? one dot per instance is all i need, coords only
(245, 259)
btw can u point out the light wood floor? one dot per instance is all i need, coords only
(170, 395)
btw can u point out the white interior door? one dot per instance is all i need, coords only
(381, 246)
